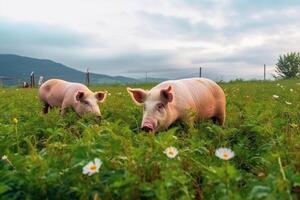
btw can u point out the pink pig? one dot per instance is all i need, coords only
(175, 99)
(63, 94)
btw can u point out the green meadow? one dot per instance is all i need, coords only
(43, 155)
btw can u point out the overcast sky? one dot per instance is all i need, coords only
(167, 38)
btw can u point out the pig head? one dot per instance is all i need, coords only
(157, 113)
(87, 102)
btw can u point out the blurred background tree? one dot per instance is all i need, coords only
(288, 65)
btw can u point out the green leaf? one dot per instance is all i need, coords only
(4, 188)
(259, 192)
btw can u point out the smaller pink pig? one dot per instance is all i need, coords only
(63, 94)
(177, 100)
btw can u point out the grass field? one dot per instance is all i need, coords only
(46, 153)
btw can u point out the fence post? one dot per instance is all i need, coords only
(146, 77)
(200, 72)
(264, 72)
(41, 81)
(87, 78)
(32, 79)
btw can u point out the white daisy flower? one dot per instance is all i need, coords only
(171, 152)
(92, 167)
(275, 96)
(288, 103)
(224, 153)
(4, 157)
(291, 90)
(278, 84)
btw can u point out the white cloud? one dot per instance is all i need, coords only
(130, 35)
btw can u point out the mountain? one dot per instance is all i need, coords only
(15, 69)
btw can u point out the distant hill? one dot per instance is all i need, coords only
(152, 80)
(18, 68)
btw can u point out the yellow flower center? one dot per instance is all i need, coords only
(15, 120)
(225, 155)
(171, 152)
(93, 167)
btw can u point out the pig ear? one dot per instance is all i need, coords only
(138, 95)
(101, 96)
(166, 94)
(79, 96)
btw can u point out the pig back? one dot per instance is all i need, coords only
(200, 95)
(53, 91)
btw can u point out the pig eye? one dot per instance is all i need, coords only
(160, 106)
(86, 103)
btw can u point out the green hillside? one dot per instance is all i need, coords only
(19, 68)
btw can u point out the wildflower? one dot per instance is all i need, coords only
(278, 84)
(15, 120)
(291, 90)
(275, 96)
(282, 86)
(5, 158)
(92, 167)
(224, 153)
(171, 152)
(288, 103)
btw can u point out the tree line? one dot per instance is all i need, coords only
(288, 65)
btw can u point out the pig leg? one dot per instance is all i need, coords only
(219, 116)
(46, 108)
(214, 119)
(63, 108)
(219, 119)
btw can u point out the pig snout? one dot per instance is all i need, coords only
(148, 126)
(96, 111)
(99, 117)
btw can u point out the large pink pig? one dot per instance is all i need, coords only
(177, 100)
(63, 94)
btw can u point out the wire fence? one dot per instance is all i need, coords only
(215, 73)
